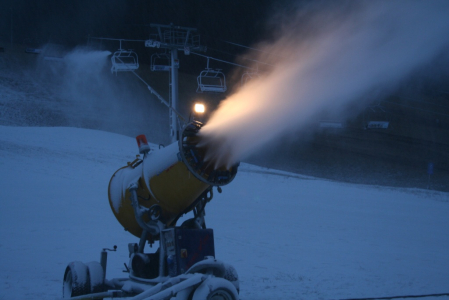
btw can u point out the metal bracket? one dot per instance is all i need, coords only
(152, 227)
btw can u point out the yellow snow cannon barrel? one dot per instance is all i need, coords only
(173, 177)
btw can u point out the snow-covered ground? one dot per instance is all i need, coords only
(289, 236)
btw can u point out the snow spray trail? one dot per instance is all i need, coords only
(83, 79)
(332, 60)
(90, 96)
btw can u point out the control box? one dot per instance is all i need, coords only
(185, 247)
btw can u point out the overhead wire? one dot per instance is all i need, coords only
(223, 61)
(243, 46)
(244, 58)
(114, 39)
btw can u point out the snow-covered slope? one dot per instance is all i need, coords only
(289, 236)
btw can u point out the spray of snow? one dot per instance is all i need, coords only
(331, 60)
(85, 83)
(99, 99)
(83, 70)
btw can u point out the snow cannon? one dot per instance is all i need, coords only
(148, 196)
(163, 184)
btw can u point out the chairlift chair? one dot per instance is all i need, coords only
(211, 80)
(377, 117)
(248, 76)
(160, 62)
(124, 60)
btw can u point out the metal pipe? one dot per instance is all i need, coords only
(171, 287)
(174, 93)
(108, 294)
(142, 241)
(139, 211)
(162, 260)
(104, 262)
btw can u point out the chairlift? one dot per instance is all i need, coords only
(124, 60)
(248, 76)
(211, 80)
(160, 62)
(377, 117)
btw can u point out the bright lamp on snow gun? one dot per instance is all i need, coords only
(199, 108)
(198, 111)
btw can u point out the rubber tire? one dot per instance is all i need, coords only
(96, 277)
(76, 280)
(232, 276)
(215, 288)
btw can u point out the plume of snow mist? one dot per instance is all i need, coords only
(82, 75)
(331, 60)
(90, 96)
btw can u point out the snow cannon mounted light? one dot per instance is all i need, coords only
(153, 192)
(142, 143)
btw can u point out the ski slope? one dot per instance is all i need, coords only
(289, 236)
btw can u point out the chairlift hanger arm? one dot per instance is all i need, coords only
(160, 33)
(187, 37)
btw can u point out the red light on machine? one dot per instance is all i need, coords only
(142, 143)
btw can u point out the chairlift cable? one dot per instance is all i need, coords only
(224, 61)
(113, 39)
(251, 60)
(243, 46)
(247, 47)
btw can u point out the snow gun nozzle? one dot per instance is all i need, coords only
(194, 154)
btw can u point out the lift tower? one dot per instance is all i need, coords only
(174, 39)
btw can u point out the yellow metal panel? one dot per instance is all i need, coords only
(176, 188)
(125, 213)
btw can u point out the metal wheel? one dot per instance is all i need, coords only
(96, 277)
(232, 276)
(76, 280)
(220, 294)
(215, 288)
